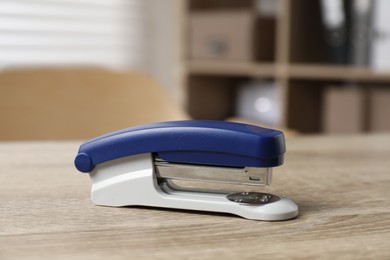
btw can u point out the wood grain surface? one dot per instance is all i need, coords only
(341, 184)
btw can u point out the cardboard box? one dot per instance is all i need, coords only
(379, 110)
(221, 35)
(343, 110)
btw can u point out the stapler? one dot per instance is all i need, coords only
(140, 166)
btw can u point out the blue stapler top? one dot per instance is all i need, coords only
(195, 142)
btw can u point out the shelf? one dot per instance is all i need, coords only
(232, 68)
(295, 71)
(335, 72)
(298, 66)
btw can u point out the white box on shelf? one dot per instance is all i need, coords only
(380, 54)
(260, 101)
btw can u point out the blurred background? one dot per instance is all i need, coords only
(76, 69)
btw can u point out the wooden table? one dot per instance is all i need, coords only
(341, 184)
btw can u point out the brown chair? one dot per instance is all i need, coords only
(78, 103)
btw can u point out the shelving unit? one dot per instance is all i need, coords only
(298, 65)
(255, 69)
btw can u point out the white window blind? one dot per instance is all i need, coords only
(74, 32)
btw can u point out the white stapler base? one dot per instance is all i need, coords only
(131, 181)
